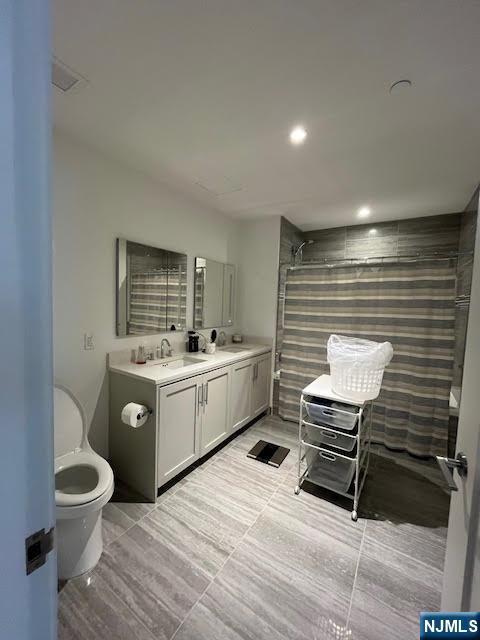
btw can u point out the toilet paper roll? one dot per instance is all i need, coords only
(135, 415)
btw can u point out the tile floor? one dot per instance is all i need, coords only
(230, 553)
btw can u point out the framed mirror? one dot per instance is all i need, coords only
(151, 289)
(214, 297)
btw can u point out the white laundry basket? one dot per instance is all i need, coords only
(357, 366)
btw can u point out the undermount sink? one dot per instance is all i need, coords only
(179, 363)
(234, 349)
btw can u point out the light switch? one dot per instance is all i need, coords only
(88, 342)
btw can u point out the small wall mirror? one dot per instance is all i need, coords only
(214, 303)
(151, 289)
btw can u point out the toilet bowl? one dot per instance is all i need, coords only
(83, 485)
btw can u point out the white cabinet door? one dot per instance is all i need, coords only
(178, 427)
(216, 387)
(241, 394)
(261, 384)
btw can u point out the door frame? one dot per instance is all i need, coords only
(461, 559)
(28, 603)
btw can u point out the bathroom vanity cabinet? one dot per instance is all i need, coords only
(193, 418)
(190, 417)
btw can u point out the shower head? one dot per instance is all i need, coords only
(300, 247)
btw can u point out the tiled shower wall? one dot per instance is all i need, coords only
(434, 234)
(290, 239)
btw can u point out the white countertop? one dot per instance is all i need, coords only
(153, 371)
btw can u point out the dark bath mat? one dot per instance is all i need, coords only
(268, 453)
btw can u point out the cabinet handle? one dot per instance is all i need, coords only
(199, 398)
(206, 393)
(256, 371)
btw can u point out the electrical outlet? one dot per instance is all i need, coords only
(88, 342)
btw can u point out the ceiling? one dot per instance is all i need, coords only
(201, 94)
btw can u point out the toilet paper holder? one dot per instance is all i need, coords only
(146, 412)
(135, 414)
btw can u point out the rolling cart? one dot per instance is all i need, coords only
(334, 441)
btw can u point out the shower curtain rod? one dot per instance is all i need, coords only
(417, 257)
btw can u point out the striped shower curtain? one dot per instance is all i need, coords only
(412, 305)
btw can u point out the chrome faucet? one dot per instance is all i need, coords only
(205, 341)
(169, 348)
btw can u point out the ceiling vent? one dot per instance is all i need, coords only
(217, 185)
(63, 77)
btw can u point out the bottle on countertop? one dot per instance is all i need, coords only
(210, 347)
(141, 356)
(192, 344)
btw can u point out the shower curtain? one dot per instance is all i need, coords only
(148, 301)
(412, 305)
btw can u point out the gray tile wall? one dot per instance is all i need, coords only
(290, 238)
(430, 235)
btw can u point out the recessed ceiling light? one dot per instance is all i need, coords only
(372, 231)
(400, 85)
(364, 212)
(298, 135)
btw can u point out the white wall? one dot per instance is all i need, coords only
(257, 263)
(96, 200)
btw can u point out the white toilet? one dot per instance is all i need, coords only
(83, 485)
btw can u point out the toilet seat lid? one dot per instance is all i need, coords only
(68, 422)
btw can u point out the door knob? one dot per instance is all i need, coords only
(448, 465)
